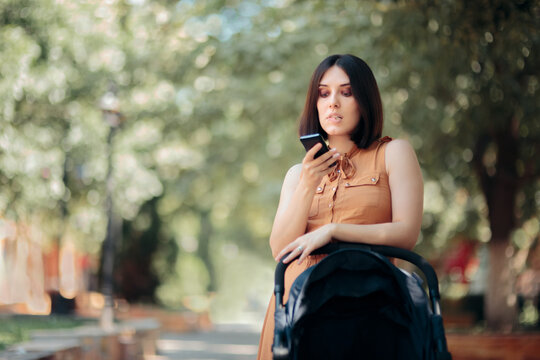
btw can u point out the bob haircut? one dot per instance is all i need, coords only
(365, 91)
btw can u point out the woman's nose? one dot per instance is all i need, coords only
(334, 103)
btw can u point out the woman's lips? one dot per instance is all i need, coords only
(334, 117)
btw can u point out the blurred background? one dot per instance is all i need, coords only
(143, 145)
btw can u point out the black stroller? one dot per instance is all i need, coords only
(355, 304)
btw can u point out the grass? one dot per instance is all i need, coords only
(16, 328)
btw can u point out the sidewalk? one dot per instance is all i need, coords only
(224, 342)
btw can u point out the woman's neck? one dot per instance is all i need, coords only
(343, 144)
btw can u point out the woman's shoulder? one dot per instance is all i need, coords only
(399, 151)
(294, 172)
(397, 146)
(292, 178)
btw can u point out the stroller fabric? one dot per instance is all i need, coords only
(355, 304)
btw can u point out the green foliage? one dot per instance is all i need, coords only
(468, 86)
(211, 91)
(189, 278)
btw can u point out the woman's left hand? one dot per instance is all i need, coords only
(306, 244)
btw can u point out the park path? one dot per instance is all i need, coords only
(224, 342)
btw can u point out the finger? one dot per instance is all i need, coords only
(331, 159)
(304, 255)
(326, 166)
(310, 155)
(294, 254)
(327, 158)
(288, 249)
(280, 255)
(291, 256)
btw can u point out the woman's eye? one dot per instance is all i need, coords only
(323, 94)
(347, 93)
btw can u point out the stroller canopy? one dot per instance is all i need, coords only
(355, 304)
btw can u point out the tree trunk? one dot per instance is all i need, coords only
(500, 188)
(500, 300)
(204, 247)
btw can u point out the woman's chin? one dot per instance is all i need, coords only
(337, 132)
(337, 128)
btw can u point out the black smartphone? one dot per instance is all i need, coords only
(310, 140)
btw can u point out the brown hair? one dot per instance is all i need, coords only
(365, 91)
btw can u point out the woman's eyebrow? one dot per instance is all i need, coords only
(324, 85)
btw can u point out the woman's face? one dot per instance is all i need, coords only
(338, 110)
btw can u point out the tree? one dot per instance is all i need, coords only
(211, 91)
(475, 67)
(461, 79)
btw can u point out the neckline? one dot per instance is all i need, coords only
(355, 150)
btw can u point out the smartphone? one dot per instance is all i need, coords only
(310, 140)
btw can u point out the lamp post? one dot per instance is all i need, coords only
(109, 105)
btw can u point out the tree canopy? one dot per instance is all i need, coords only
(211, 91)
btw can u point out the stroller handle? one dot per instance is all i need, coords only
(390, 251)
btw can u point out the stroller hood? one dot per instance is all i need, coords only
(362, 304)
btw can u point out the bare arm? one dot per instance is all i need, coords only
(296, 196)
(406, 187)
(292, 213)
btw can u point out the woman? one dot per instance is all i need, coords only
(375, 193)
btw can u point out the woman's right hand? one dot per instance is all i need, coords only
(313, 170)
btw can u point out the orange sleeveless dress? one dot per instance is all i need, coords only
(356, 192)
